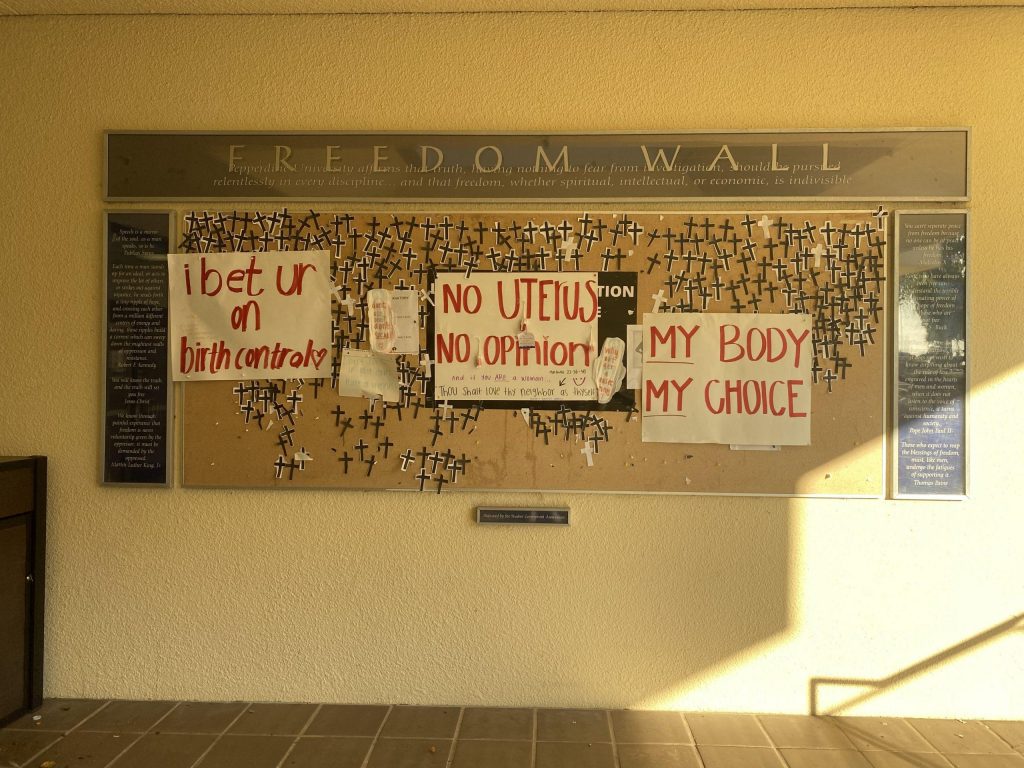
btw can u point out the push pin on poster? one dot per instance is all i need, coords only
(525, 339)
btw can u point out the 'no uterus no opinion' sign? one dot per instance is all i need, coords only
(727, 378)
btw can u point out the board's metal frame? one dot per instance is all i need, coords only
(884, 453)
(169, 437)
(894, 442)
(567, 201)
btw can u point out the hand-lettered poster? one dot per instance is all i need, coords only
(250, 315)
(727, 378)
(513, 339)
(394, 321)
(515, 336)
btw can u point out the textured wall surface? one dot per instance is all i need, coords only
(699, 603)
(44, 7)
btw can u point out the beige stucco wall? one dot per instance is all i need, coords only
(697, 603)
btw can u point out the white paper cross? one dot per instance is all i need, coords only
(659, 299)
(588, 451)
(818, 250)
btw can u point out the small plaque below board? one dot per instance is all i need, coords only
(523, 515)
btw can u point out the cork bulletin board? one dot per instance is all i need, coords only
(828, 265)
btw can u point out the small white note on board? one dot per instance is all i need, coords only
(368, 374)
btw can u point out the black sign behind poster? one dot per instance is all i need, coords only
(135, 430)
(932, 355)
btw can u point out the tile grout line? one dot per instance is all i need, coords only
(216, 741)
(855, 748)
(984, 725)
(376, 736)
(164, 716)
(446, 738)
(533, 741)
(139, 737)
(693, 740)
(326, 736)
(775, 747)
(611, 735)
(927, 741)
(850, 731)
(89, 717)
(455, 737)
(689, 730)
(143, 735)
(41, 752)
(117, 734)
(300, 734)
(64, 733)
(60, 737)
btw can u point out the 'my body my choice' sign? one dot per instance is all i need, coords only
(727, 378)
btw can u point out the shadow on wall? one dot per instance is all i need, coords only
(879, 686)
(731, 580)
(933, 334)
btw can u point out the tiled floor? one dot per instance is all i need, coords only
(134, 734)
